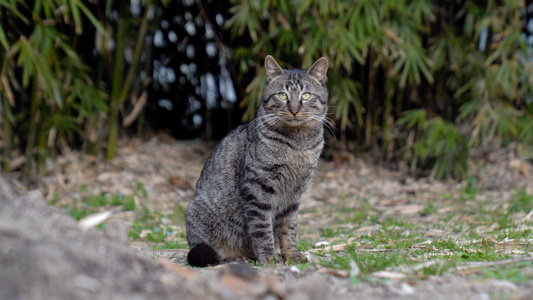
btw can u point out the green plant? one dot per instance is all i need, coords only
(435, 144)
(56, 84)
(367, 262)
(47, 83)
(428, 209)
(439, 267)
(328, 232)
(170, 245)
(521, 202)
(179, 214)
(158, 234)
(405, 75)
(135, 231)
(304, 245)
(511, 272)
(470, 190)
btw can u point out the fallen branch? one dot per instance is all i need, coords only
(128, 120)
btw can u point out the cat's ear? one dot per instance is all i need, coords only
(319, 69)
(273, 70)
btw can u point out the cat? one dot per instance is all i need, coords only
(247, 196)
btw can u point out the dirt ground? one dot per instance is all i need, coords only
(46, 255)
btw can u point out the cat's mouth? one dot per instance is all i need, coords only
(294, 118)
(297, 120)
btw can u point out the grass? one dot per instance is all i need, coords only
(429, 209)
(516, 272)
(170, 245)
(328, 232)
(521, 202)
(474, 229)
(470, 190)
(304, 245)
(89, 204)
(150, 226)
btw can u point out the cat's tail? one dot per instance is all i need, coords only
(203, 255)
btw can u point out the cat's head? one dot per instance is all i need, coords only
(295, 98)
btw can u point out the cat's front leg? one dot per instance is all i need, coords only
(286, 225)
(259, 226)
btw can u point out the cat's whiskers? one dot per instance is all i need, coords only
(264, 121)
(324, 120)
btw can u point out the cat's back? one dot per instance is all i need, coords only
(221, 168)
(214, 210)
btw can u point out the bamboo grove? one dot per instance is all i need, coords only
(419, 82)
(50, 99)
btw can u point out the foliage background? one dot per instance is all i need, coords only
(416, 82)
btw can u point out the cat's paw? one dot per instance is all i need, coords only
(270, 260)
(295, 257)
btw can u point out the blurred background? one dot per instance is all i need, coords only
(415, 83)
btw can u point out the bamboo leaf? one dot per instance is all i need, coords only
(3, 39)
(90, 16)
(76, 16)
(12, 6)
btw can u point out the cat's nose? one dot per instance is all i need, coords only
(294, 111)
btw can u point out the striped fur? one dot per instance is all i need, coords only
(247, 197)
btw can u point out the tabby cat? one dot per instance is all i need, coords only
(247, 197)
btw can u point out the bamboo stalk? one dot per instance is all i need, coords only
(104, 61)
(117, 82)
(34, 119)
(389, 92)
(132, 72)
(41, 149)
(8, 137)
(371, 77)
(148, 69)
(121, 88)
(6, 111)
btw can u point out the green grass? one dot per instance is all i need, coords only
(439, 267)
(428, 209)
(470, 190)
(170, 245)
(151, 221)
(514, 234)
(328, 232)
(478, 229)
(474, 229)
(367, 262)
(304, 245)
(511, 272)
(89, 204)
(145, 220)
(521, 202)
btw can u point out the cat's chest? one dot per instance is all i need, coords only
(291, 168)
(301, 159)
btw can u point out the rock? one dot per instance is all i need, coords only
(241, 270)
(313, 287)
(45, 255)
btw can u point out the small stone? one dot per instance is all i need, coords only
(322, 243)
(295, 269)
(241, 270)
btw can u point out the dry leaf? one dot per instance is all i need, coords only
(92, 220)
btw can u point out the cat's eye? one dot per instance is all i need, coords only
(306, 96)
(283, 96)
